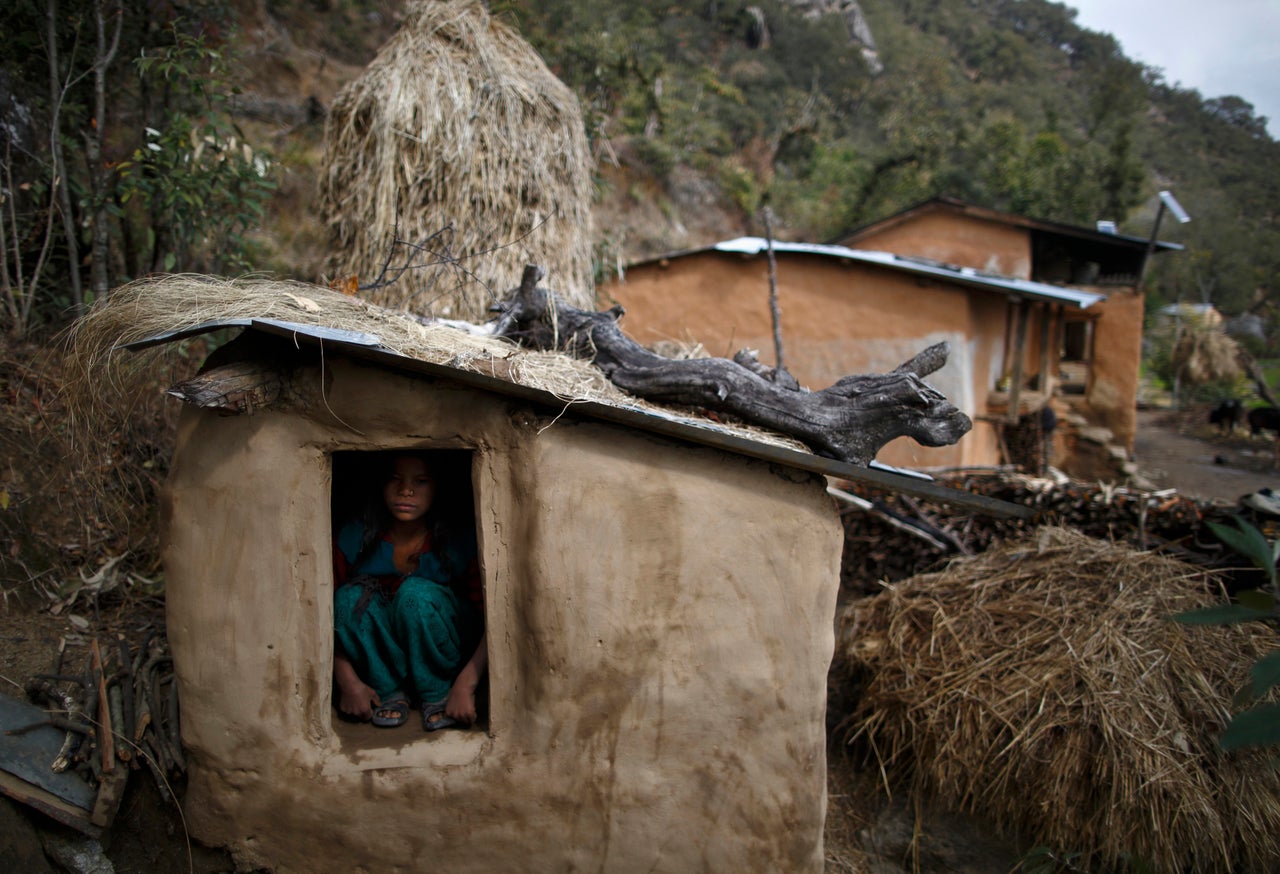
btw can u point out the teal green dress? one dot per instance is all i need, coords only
(407, 635)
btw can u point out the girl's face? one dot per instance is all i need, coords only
(409, 491)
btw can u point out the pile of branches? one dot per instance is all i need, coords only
(119, 709)
(71, 507)
(898, 536)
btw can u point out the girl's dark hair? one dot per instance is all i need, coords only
(452, 505)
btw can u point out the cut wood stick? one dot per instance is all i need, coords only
(106, 742)
(933, 527)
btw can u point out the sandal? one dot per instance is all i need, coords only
(434, 717)
(391, 714)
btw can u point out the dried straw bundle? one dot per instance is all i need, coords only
(458, 124)
(1204, 355)
(1042, 686)
(156, 305)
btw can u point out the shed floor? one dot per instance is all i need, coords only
(354, 736)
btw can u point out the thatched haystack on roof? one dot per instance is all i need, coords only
(458, 139)
(164, 304)
(1043, 687)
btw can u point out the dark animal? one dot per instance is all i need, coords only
(1264, 419)
(1226, 415)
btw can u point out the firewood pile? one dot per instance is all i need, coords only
(118, 707)
(901, 536)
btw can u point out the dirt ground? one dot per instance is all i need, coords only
(1173, 450)
(1181, 450)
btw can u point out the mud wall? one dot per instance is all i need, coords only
(660, 626)
(1117, 355)
(954, 238)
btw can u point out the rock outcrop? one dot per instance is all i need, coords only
(855, 23)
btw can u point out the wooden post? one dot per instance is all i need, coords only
(1060, 337)
(1010, 318)
(1046, 319)
(105, 738)
(774, 311)
(1019, 347)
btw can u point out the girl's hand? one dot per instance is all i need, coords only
(355, 697)
(461, 703)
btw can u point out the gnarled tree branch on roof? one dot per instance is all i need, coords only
(849, 421)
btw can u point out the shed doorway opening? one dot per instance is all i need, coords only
(1077, 356)
(409, 617)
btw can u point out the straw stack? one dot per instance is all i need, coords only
(1202, 355)
(1042, 686)
(458, 140)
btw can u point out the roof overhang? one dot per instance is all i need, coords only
(368, 347)
(955, 205)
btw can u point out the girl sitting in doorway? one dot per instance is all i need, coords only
(408, 605)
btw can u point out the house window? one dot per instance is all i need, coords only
(408, 591)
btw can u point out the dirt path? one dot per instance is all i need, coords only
(1181, 450)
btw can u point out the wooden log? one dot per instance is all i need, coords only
(106, 741)
(240, 387)
(252, 372)
(849, 421)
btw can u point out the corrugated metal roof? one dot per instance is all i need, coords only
(1199, 309)
(922, 267)
(688, 429)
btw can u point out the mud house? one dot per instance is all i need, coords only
(1096, 351)
(1030, 308)
(660, 599)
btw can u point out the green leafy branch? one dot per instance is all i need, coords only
(1258, 725)
(201, 187)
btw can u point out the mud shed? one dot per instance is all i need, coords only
(660, 599)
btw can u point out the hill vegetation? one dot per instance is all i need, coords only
(138, 137)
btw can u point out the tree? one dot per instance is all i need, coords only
(1237, 112)
(193, 186)
(105, 48)
(98, 128)
(58, 88)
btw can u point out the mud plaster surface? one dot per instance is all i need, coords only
(660, 631)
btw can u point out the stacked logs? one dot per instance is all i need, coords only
(120, 714)
(880, 545)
